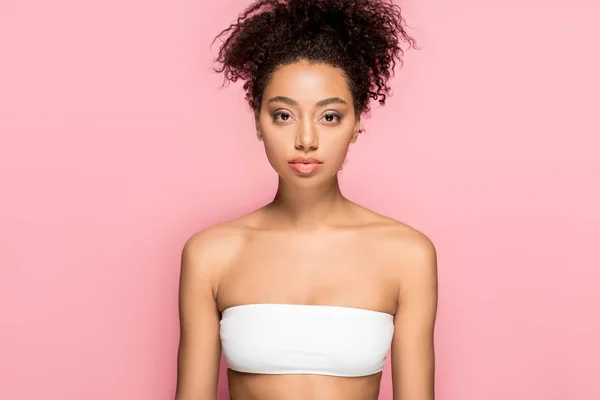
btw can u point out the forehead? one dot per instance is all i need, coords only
(306, 82)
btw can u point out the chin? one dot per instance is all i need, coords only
(307, 180)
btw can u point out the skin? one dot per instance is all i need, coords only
(310, 245)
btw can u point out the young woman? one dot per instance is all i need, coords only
(306, 295)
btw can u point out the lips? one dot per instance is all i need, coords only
(305, 160)
(305, 165)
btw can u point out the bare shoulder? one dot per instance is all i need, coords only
(411, 245)
(207, 253)
(405, 247)
(412, 261)
(215, 240)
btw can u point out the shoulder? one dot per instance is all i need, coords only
(213, 240)
(411, 243)
(412, 259)
(206, 253)
(406, 249)
(397, 235)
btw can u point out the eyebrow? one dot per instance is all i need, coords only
(321, 103)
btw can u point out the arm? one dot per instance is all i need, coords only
(199, 343)
(413, 359)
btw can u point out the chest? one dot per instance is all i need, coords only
(345, 270)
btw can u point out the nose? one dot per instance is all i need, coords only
(307, 138)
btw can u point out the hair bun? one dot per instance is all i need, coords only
(362, 37)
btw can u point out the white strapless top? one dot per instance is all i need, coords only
(305, 339)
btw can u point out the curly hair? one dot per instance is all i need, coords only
(361, 37)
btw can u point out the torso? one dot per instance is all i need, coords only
(352, 265)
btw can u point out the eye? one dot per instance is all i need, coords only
(332, 117)
(282, 116)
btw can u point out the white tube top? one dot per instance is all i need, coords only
(305, 339)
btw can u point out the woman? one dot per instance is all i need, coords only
(306, 295)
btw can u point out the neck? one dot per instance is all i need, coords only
(308, 208)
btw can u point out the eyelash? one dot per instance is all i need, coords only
(280, 113)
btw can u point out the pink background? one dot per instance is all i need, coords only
(117, 145)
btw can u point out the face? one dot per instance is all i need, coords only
(307, 122)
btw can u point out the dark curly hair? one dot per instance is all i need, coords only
(362, 37)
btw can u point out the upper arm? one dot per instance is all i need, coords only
(413, 358)
(199, 344)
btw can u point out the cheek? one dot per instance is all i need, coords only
(275, 143)
(335, 145)
(276, 150)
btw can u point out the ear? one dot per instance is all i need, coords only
(257, 125)
(356, 131)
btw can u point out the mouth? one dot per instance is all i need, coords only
(305, 165)
(305, 160)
